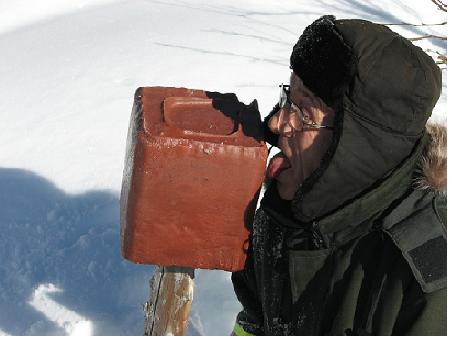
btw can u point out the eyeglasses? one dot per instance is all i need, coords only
(284, 100)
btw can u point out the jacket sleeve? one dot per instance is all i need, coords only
(405, 309)
(421, 239)
(432, 320)
(250, 320)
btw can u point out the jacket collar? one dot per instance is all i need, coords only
(377, 199)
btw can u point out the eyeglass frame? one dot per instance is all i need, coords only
(284, 99)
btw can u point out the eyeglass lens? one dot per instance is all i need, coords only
(284, 95)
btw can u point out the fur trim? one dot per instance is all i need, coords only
(434, 160)
(323, 60)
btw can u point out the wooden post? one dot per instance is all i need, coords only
(168, 309)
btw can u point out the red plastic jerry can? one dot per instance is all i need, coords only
(195, 161)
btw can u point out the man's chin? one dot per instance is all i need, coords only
(285, 190)
(284, 193)
(286, 184)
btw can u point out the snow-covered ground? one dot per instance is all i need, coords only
(67, 77)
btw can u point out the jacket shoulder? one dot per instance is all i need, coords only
(417, 226)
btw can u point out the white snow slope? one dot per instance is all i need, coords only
(67, 77)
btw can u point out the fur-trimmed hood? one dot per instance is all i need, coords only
(381, 113)
(433, 164)
(382, 101)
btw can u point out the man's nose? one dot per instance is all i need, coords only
(285, 122)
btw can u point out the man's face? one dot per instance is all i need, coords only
(302, 147)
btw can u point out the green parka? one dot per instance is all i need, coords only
(362, 247)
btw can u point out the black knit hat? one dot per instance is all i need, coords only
(322, 60)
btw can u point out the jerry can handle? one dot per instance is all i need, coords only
(198, 116)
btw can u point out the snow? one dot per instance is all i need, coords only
(72, 323)
(68, 73)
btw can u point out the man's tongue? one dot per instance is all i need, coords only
(277, 164)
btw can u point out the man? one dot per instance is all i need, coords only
(350, 235)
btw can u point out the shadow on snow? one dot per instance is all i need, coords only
(71, 241)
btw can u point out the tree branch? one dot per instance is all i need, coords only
(408, 24)
(427, 37)
(441, 57)
(441, 5)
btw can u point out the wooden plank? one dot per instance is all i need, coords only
(168, 309)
